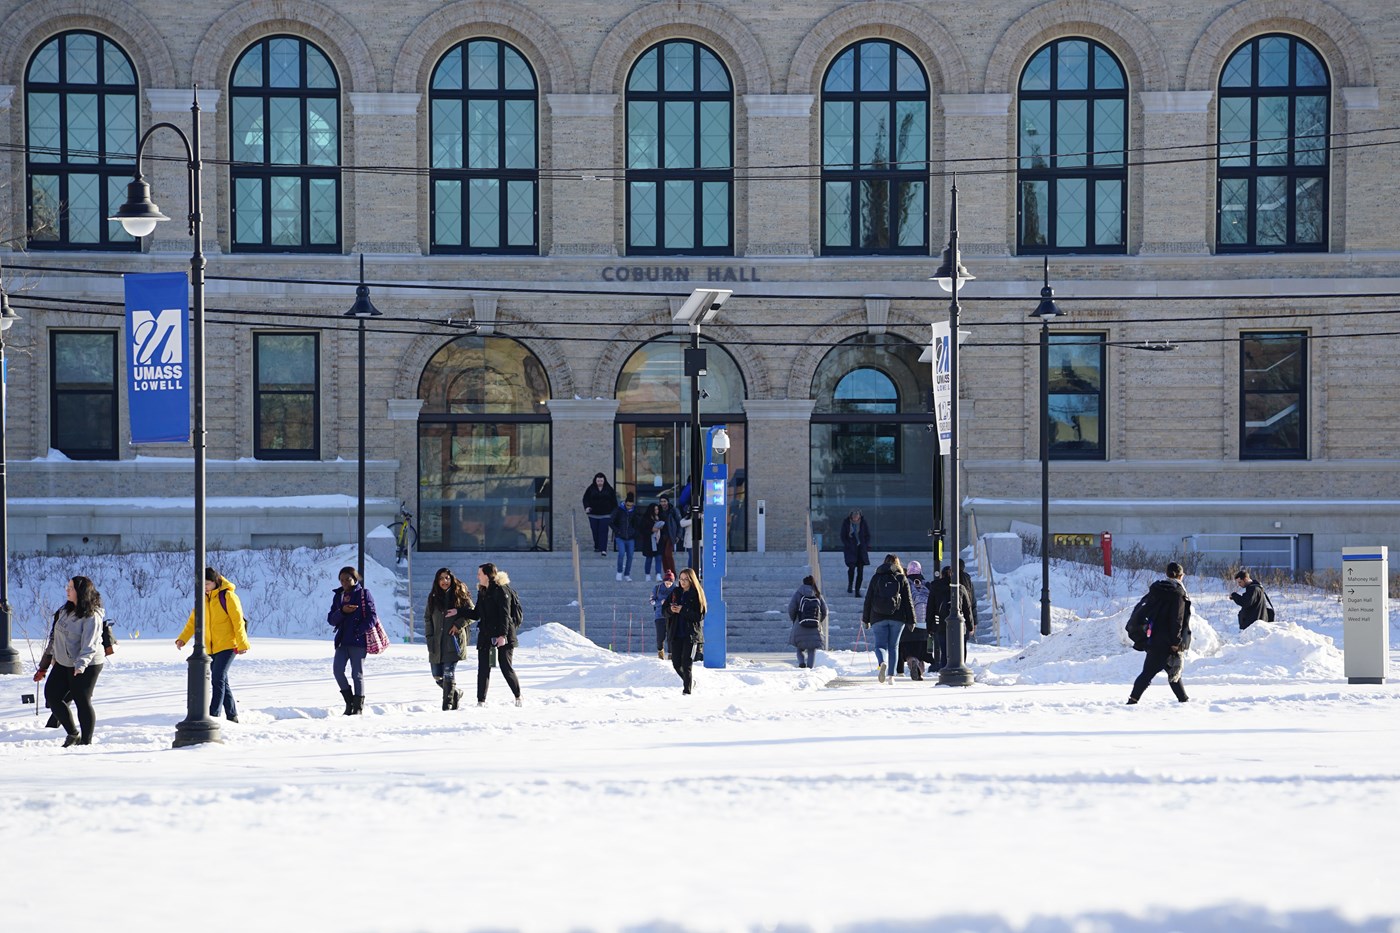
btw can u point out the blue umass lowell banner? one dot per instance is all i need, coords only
(157, 368)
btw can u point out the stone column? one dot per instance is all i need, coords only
(582, 445)
(1368, 217)
(779, 471)
(779, 210)
(382, 211)
(978, 126)
(170, 177)
(585, 210)
(1170, 222)
(12, 196)
(403, 432)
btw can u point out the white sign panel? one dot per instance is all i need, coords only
(1365, 613)
(943, 384)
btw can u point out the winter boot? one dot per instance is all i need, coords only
(349, 703)
(1179, 690)
(53, 721)
(456, 698)
(447, 690)
(1132, 700)
(359, 705)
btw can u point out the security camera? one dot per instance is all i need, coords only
(720, 443)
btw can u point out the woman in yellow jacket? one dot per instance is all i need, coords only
(225, 636)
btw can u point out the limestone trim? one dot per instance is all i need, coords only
(32, 24)
(178, 100)
(375, 104)
(510, 22)
(779, 105)
(583, 105)
(779, 409)
(543, 344)
(1326, 28)
(657, 325)
(1176, 101)
(976, 105)
(1131, 39)
(1361, 98)
(583, 409)
(707, 23)
(920, 33)
(842, 326)
(877, 314)
(232, 33)
(7, 96)
(404, 409)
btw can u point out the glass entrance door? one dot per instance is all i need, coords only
(653, 460)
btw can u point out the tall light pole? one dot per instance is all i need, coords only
(950, 276)
(1047, 311)
(9, 655)
(139, 216)
(362, 309)
(700, 308)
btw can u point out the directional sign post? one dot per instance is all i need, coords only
(1365, 615)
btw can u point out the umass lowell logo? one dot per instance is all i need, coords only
(157, 352)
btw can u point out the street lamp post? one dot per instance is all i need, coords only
(1047, 311)
(139, 216)
(950, 276)
(362, 309)
(700, 308)
(9, 655)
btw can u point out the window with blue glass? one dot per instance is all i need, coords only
(680, 152)
(1274, 120)
(287, 396)
(284, 121)
(1273, 396)
(1076, 383)
(485, 171)
(1072, 137)
(80, 142)
(875, 151)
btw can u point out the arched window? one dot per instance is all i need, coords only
(484, 448)
(1273, 135)
(875, 151)
(485, 170)
(81, 122)
(870, 444)
(284, 121)
(680, 152)
(1072, 174)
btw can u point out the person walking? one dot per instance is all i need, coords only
(660, 594)
(942, 591)
(672, 541)
(938, 598)
(599, 503)
(1169, 609)
(889, 607)
(807, 610)
(913, 646)
(75, 651)
(352, 615)
(225, 637)
(855, 541)
(624, 530)
(686, 610)
(445, 631)
(1254, 603)
(499, 612)
(653, 533)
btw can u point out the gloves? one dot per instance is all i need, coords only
(39, 675)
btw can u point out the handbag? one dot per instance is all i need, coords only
(376, 639)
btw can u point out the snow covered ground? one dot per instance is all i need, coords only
(770, 800)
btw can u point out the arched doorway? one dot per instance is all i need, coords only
(653, 435)
(484, 448)
(871, 447)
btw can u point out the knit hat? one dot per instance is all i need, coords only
(670, 575)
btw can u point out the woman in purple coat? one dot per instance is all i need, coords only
(352, 614)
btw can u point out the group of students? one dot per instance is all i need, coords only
(908, 618)
(658, 530)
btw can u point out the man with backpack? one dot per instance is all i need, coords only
(1253, 602)
(1166, 613)
(889, 607)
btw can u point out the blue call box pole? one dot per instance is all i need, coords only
(715, 492)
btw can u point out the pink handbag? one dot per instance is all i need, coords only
(376, 639)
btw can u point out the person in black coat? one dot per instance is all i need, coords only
(599, 504)
(686, 609)
(855, 541)
(887, 623)
(940, 608)
(1169, 610)
(1254, 605)
(498, 611)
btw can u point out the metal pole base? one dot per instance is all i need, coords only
(10, 662)
(198, 726)
(197, 732)
(960, 676)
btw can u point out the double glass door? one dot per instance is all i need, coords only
(653, 460)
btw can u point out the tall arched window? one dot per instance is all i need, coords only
(680, 152)
(81, 121)
(1273, 135)
(870, 444)
(875, 151)
(284, 120)
(1072, 172)
(484, 448)
(485, 170)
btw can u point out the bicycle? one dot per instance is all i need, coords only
(405, 535)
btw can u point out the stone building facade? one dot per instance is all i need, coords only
(563, 174)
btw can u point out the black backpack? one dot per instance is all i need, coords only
(1139, 627)
(885, 595)
(809, 612)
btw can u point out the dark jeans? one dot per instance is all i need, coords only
(682, 658)
(660, 634)
(1159, 660)
(63, 685)
(940, 645)
(854, 576)
(354, 655)
(600, 526)
(221, 694)
(483, 669)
